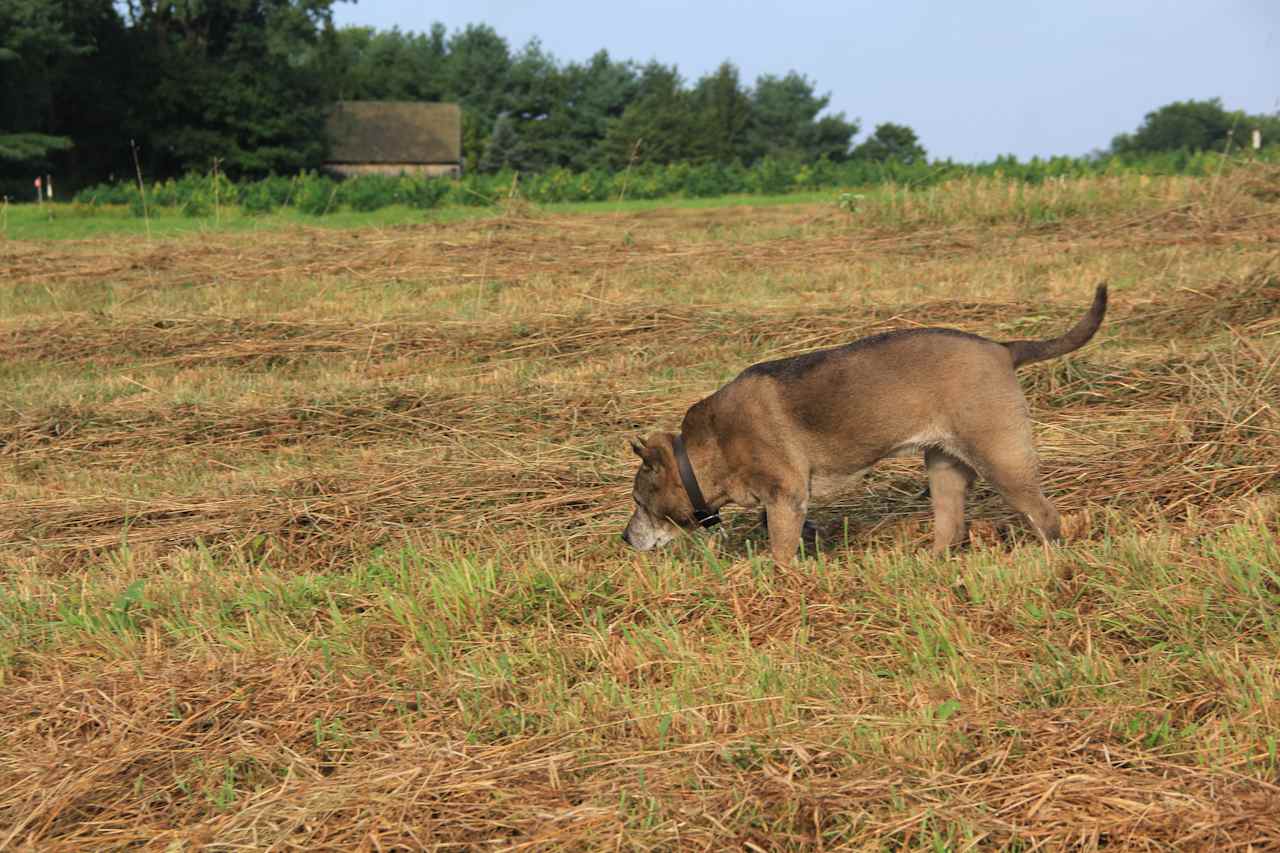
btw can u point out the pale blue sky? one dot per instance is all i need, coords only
(974, 79)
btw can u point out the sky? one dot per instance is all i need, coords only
(974, 80)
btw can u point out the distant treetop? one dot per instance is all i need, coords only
(1194, 126)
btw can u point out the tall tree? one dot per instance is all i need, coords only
(477, 66)
(723, 110)
(36, 37)
(658, 126)
(240, 81)
(390, 65)
(1192, 126)
(505, 149)
(891, 142)
(785, 123)
(564, 111)
(532, 99)
(596, 92)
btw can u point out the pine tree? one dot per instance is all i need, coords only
(504, 150)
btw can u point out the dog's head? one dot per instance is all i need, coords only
(662, 505)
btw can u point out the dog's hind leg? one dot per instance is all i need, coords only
(1028, 499)
(948, 480)
(1015, 472)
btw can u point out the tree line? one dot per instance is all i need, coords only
(95, 90)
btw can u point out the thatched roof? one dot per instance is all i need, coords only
(395, 132)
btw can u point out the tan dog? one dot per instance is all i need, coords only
(804, 427)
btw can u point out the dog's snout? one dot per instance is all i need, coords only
(626, 537)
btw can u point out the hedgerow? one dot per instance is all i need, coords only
(318, 194)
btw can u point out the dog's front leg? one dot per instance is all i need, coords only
(785, 516)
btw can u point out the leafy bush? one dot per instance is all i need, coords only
(118, 193)
(648, 182)
(199, 195)
(266, 195)
(368, 192)
(771, 177)
(163, 194)
(197, 204)
(560, 184)
(315, 194)
(712, 179)
(422, 192)
(479, 190)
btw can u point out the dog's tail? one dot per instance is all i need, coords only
(1025, 352)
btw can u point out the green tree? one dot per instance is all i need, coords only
(722, 112)
(477, 68)
(245, 82)
(658, 126)
(95, 94)
(785, 123)
(504, 149)
(562, 113)
(891, 141)
(595, 93)
(390, 65)
(1192, 126)
(533, 97)
(36, 36)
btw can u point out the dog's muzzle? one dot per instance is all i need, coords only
(644, 534)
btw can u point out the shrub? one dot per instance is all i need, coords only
(422, 192)
(267, 194)
(198, 194)
(258, 198)
(118, 193)
(549, 187)
(475, 190)
(163, 194)
(770, 177)
(713, 179)
(594, 185)
(197, 204)
(368, 192)
(315, 194)
(819, 175)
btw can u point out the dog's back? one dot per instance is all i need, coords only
(841, 409)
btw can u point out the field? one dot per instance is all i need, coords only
(309, 536)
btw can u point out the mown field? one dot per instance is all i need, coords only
(309, 537)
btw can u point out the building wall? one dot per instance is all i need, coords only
(431, 170)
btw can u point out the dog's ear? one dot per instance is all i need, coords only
(648, 451)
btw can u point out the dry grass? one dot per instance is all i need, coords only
(309, 540)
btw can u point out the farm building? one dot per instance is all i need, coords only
(390, 137)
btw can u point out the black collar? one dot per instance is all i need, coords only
(706, 516)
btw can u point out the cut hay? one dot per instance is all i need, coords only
(309, 539)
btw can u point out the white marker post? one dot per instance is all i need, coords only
(48, 186)
(1257, 138)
